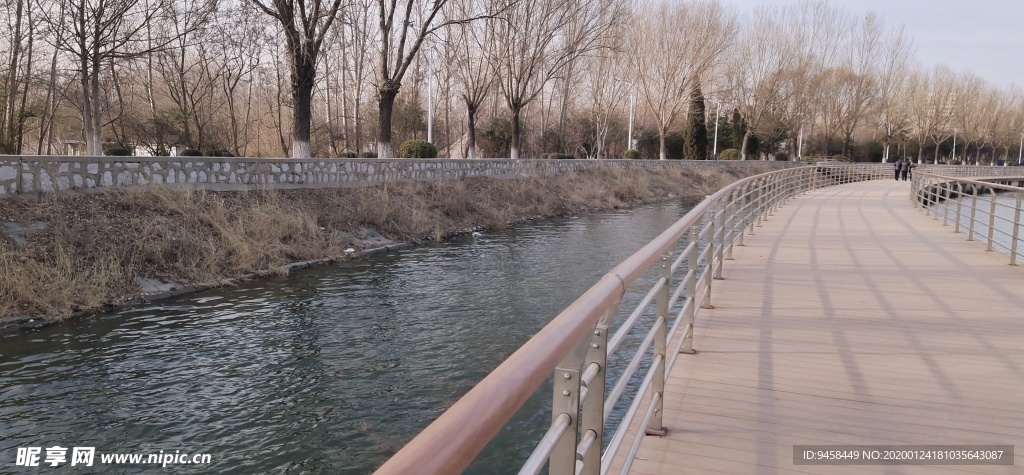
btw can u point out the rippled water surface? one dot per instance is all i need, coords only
(328, 371)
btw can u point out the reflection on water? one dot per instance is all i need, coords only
(329, 371)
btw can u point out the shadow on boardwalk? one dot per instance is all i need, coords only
(850, 318)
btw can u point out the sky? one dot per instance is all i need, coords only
(983, 36)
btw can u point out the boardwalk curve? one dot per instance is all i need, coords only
(850, 318)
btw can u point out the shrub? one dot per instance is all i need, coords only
(118, 151)
(191, 152)
(347, 155)
(368, 155)
(418, 149)
(218, 152)
(781, 157)
(558, 156)
(729, 154)
(632, 154)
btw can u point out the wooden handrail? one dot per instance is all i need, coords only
(449, 444)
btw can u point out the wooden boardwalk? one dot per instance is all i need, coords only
(850, 318)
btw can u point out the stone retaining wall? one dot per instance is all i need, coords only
(39, 174)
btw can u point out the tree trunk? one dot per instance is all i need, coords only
(303, 76)
(743, 149)
(471, 131)
(920, 151)
(91, 109)
(387, 92)
(516, 139)
(662, 151)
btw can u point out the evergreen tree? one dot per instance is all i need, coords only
(738, 129)
(696, 130)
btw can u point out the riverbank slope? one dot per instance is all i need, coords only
(67, 253)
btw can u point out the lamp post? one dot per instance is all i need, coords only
(430, 108)
(714, 150)
(1020, 152)
(800, 144)
(954, 146)
(632, 105)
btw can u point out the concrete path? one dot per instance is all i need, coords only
(849, 318)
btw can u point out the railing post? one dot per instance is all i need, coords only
(731, 225)
(974, 209)
(660, 347)
(1016, 231)
(760, 201)
(720, 243)
(959, 203)
(709, 263)
(592, 416)
(741, 225)
(991, 217)
(566, 400)
(691, 289)
(945, 211)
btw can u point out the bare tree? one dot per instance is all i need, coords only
(815, 30)
(541, 37)
(609, 88)
(305, 24)
(15, 78)
(99, 33)
(473, 46)
(862, 58)
(678, 44)
(759, 69)
(932, 102)
(893, 71)
(401, 40)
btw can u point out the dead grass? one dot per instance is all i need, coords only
(97, 243)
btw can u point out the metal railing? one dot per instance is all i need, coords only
(991, 211)
(575, 348)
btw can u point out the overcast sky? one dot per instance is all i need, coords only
(983, 36)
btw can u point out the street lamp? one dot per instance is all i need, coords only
(430, 107)
(718, 110)
(632, 105)
(1020, 152)
(954, 146)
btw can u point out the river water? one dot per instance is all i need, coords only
(1005, 216)
(328, 371)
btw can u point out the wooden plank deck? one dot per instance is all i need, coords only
(850, 318)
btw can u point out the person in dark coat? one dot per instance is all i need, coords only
(896, 165)
(904, 169)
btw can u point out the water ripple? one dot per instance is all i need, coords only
(329, 371)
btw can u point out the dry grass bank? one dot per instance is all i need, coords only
(96, 244)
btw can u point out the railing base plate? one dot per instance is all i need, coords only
(660, 433)
(687, 352)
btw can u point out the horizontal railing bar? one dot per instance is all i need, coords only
(586, 443)
(620, 432)
(703, 257)
(634, 363)
(627, 463)
(682, 256)
(680, 288)
(627, 325)
(704, 230)
(540, 455)
(587, 378)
